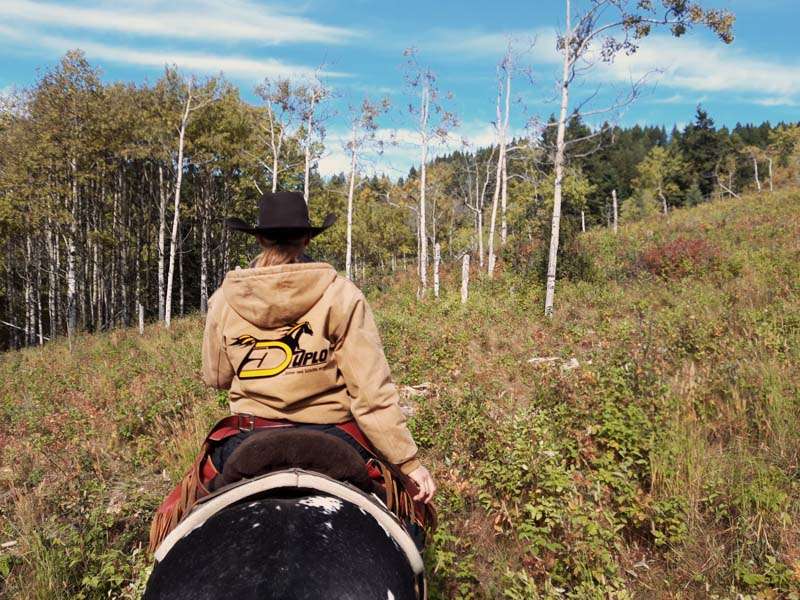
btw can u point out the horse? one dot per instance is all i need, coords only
(292, 337)
(311, 529)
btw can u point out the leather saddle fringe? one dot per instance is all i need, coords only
(400, 500)
(180, 501)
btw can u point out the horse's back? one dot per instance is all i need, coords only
(308, 546)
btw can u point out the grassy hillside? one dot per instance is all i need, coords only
(651, 451)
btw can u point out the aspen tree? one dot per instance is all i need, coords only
(311, 97)
(501, 128)
(432, 123)
(282, 107)
(363, 132)
(193, 96)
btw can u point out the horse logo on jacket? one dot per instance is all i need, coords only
(252, 365)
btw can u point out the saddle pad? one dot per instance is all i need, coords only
(293, 478)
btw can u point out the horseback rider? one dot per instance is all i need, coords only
(294, 341)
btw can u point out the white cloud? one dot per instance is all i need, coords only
(777, 101)
(687, 63)
(208, 20)
(706, 67)
(236, 66)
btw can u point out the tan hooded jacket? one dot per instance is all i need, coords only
(298, 342)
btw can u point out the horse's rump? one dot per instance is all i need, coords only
(289, 534)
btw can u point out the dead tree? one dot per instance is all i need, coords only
(363, 132)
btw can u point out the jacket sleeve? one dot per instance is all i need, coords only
(360, 358)
(217, 369)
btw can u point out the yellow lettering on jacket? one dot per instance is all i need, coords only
(257, 353)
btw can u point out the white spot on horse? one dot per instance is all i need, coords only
(326, 504)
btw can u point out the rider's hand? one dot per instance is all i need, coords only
(425, 484)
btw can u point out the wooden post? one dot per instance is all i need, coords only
(616, 212)
(770, 175)
(437, 257)
(464, 278)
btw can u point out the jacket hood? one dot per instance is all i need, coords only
(272, 297)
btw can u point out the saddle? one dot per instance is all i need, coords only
(268, 451)
(277, 446)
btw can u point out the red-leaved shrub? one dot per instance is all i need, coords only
(679, 257)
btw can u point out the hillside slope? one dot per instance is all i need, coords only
(643, 443)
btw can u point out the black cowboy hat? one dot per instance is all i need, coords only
(282, 215)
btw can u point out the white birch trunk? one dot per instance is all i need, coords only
(559, 169)
(479, 233)
(30, 316)
(502, 126)
(423, 238)
(275, 173)
(180, 276)
(493, 220)
(137, 267)
(162, 225)
(437, 257)
(123, 266)
(38, 293)
(755, 174)
(306, 172)
(504, 202)
(112, 311)
(615, 209)
(204, 255)
(464, 279)
(664, 206)
(173, 243)
(583, 222)
(348, 263)
(94, 300)
(72, 288)
(52, 240)
(95, 306)
(276, 141)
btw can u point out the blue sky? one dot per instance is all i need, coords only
(362, 42)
